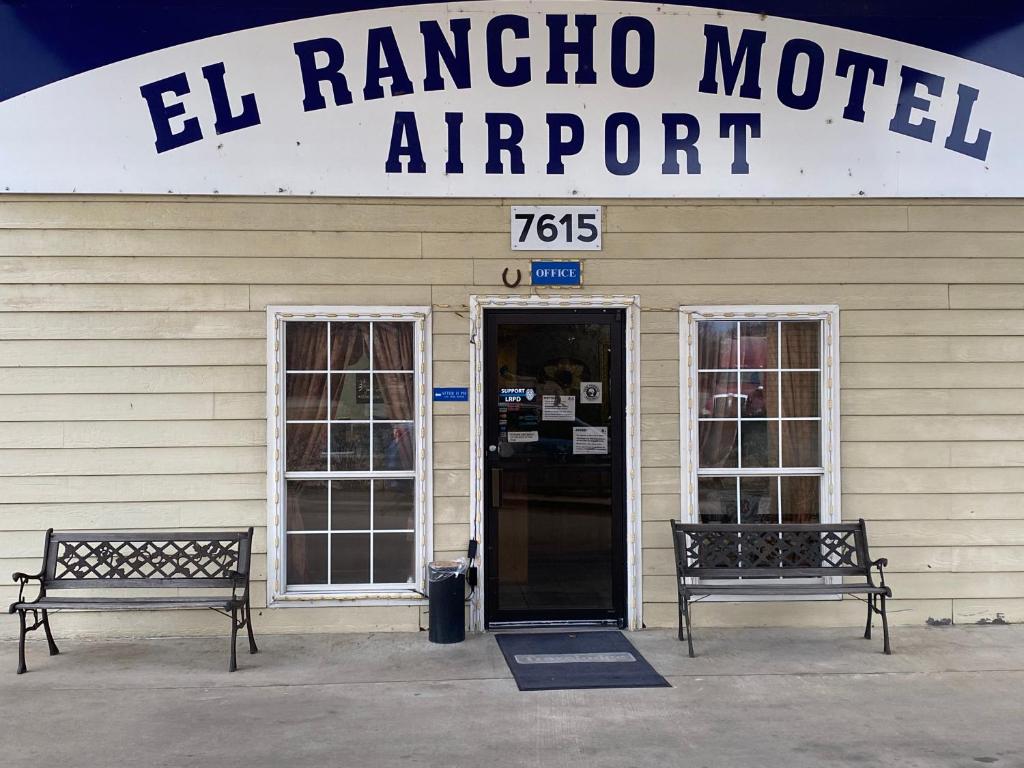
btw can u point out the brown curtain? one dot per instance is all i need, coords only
(306, 349)
(801, 440)
(393, 351)
(350, 342)
(717, 438)
(800, 396)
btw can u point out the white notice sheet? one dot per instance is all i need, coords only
(559, 408)
(590, 440)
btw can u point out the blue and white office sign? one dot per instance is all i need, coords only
(451, 394)
(561, 274)
(513, 99)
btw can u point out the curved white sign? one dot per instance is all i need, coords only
(514, 99)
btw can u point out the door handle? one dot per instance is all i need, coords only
(495, 487)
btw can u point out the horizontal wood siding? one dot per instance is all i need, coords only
(132, 379)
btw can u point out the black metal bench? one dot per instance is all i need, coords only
(716, 559)
(98, 560)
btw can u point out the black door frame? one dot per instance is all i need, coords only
(617, 318)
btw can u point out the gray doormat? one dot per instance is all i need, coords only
(575, 660)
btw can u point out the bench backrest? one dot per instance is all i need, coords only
(91, 559)
(711, 551)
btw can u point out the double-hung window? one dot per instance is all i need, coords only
(760, 430)
(349, 476)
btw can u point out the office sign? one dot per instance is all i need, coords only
(556, 228)
(729, 98)
(563, 274)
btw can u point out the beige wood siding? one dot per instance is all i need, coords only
(132, 371)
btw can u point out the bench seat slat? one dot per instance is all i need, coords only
(782, 572)
(131, 603)
(113, 582)
(783, 588)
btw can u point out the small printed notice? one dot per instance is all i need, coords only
(559, 408)
(523, 437)
(591, 392)
(590, 440)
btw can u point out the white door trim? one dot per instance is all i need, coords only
(477, 304)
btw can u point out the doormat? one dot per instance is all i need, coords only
(575, 660)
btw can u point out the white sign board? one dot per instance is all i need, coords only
(556, 228)
(507, 99)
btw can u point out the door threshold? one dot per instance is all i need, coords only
(553, 626)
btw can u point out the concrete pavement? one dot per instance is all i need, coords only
(950, 696)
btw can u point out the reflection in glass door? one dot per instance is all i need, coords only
(554, 406)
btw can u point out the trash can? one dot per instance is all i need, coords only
(447, 598)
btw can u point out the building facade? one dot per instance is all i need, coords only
(295, 274)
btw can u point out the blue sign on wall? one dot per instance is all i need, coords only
(451, 394)
(556, 273)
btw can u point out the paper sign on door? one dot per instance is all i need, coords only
(529, 436)
(559, 408)
(590, 440)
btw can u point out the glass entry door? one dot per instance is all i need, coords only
(554, 414)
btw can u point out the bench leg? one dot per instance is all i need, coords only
(689, 632)
(871, 609)
(233, 664)
(49, 636)
(885, 629)
(21, 644)
(248, 626)
(682, 636)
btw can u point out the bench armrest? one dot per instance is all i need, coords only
(880, 563)
(23, 579)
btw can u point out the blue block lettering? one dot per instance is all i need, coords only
(957, 141)
(582, 49)
(560, 147)
(910, 101)
(811, 90)
(674, 143)
(862, 66)
(224, 121)
(645, 41)
(496, 143)
(383, 59)
(405, 141)
(161, 113)
(746, 60)
(313, 75)
(436, 49)
(519, 26)
(454, 122)
(740, 126)
(630, 122)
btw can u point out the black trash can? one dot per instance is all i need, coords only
(447, 597)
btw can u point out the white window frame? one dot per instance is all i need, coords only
(278, 593)
(831, 490)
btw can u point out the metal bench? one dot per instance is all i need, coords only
(169, 560)
(716, 559)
